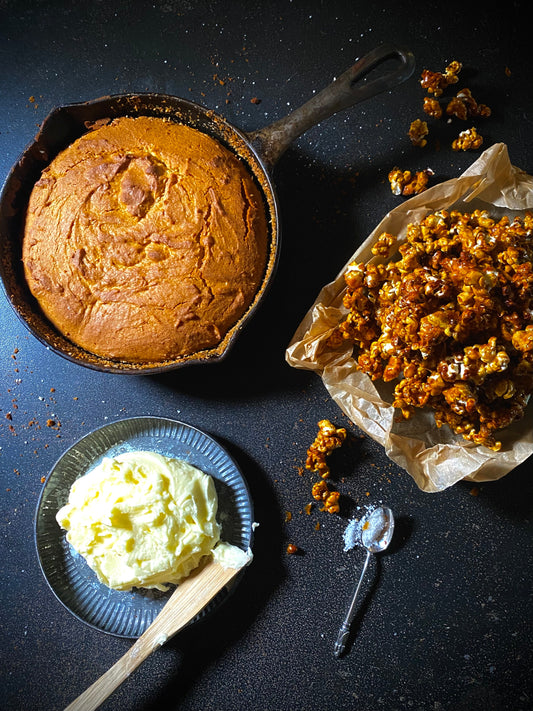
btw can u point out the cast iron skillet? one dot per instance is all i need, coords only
(259, 150)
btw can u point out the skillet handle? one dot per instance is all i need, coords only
(345, 91)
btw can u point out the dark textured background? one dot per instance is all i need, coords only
(445, 619)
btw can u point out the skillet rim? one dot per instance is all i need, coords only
(60, 128)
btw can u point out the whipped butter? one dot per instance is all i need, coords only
(141, 519)
(231, 556)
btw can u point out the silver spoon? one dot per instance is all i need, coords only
(376, 535)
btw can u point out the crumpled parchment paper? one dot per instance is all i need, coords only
(435, 458)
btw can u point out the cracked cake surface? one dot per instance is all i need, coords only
(145, 240)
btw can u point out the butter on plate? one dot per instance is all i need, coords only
(141, 519)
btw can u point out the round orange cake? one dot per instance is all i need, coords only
(145, 240)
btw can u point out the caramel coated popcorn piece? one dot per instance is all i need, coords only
(432, 107)
(463, 106)
(418, 130)
(457, 108)
(403, 182)
(330, 499)
(468, 140)
(331, 502)
(436, 82)
(327, 439)
(523, 340)
(450, 321)
(384, 245)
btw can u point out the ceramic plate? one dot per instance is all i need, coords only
(128, 614)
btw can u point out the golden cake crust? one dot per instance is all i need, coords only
(145, 240)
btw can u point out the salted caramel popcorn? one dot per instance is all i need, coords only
(450, 320)
(468, 140)
(330, 499)
(328, 438)
(384, 244)
(418, 130)
(463, 106)
(436, 82)
(405, 183)
(432, 107)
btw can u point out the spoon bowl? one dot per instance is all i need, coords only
(377, 530)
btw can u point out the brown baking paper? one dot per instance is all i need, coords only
(435, 458)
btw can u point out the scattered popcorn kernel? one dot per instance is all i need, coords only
(330, 499)
(327, 439)
(464, 106)
(397, 179)
(467, 140)
(403, 182)
(418, 131)
(452, 70)
(432, 107)
(457, 108)
(436, 82)
(319, 490)
(331, 503)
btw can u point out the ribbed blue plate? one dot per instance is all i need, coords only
(128, 614)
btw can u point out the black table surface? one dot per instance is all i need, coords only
(445, 616)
